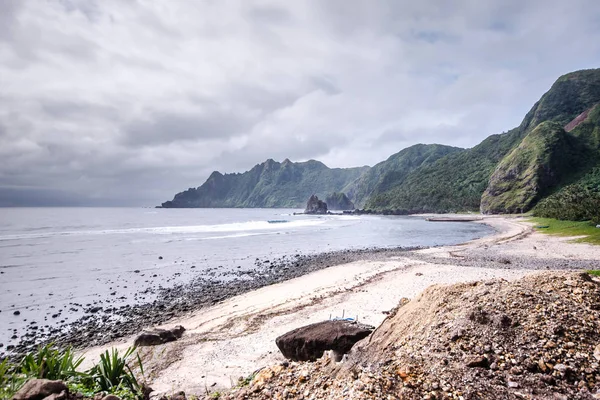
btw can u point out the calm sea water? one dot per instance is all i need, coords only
(51, 258)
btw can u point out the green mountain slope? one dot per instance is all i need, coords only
(547, 158)
(270, 184)
(454, 182)
(579, 201)
(392, 172)
(458, 181)
(543, 159)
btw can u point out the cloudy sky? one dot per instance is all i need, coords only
(123, 102)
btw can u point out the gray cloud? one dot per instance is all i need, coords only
(167, 127)
(113, 102)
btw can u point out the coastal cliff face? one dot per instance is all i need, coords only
(556, 145)
(270, 184)
(481, 340)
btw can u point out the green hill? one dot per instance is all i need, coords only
(457, 181)
(392, 172)
(543, 159)
(270, 184)
(551, 152)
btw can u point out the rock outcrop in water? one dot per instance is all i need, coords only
(315, 206)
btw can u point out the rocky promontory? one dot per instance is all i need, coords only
(315, 206)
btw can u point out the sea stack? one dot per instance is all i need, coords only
(315, 206)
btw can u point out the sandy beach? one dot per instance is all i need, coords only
(237, 336)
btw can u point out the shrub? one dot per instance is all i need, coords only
(50, 363)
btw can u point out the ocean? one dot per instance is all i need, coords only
(56, 262)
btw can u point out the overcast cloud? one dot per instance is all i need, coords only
(117, 102)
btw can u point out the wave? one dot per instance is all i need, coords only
(190, 229)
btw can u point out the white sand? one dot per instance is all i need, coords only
(236, 337)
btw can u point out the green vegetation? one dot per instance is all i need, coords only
(585, 229)
(392, 172)
(112, 375)
(595, 272)
(576, 202)
(50, 363)
(454, 182)
(458, 181)
(338, 201)
(556, 145)
(545, 157)
(270, 184)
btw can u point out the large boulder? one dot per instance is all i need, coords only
(315, 206)
(39, 389)
(159, 336)
(308, 343)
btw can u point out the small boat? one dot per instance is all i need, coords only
(277, 221)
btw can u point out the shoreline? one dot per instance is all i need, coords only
(106, 322)
(102, 325)
(235, 337)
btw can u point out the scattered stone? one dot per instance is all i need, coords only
(17, 312)
(477, 362)
(38, 389)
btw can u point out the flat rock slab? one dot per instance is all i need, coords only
(308, 343)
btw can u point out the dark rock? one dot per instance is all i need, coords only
(309, 342)
(38, 389)
(477, 362)
(159, 336)
(315, 206)
(179, 396)
(17, 312)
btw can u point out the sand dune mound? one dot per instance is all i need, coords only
(535, 338)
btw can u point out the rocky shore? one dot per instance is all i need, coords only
(104, 323)
(535, 338)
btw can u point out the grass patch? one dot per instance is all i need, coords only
(595, 272)
(569, 228)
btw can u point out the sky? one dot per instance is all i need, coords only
(125, 103)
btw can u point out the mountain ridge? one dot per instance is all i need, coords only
(556, 143)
